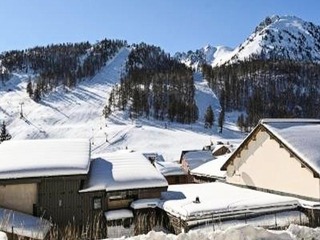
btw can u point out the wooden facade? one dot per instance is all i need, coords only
(177, 179)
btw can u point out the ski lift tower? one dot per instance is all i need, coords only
(21, 110)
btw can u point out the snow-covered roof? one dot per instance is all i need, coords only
(169, 168)
(220, 199)
(118, 214)
(197, 157)
(212, 168)
(122, 170)
(23, 224)
(300, 135)
(43, 158)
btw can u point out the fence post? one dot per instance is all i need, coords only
(12, 233)
(212, 223)
(300, 217)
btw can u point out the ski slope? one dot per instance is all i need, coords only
(77, 113)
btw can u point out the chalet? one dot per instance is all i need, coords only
(119, 182)
(192, 159)
(57, 180)
(280, 156)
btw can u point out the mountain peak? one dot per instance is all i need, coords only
(209, 54)
(280, 37)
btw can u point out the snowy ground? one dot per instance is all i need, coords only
(241, 232)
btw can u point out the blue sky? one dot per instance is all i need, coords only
(174, 25)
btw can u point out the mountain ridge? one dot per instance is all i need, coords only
(276, 37)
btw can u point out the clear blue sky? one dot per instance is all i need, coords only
(174, 25)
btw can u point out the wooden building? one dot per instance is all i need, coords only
(191, 159)
(280, 156)
(58, 180)
(172, 171)
(42, 177)
(121, 179)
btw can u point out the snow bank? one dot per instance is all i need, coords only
(23, 224)
(41, 158)
(3, 236)
(244, 232)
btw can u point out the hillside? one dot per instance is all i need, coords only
(274, 73)
(77, 113)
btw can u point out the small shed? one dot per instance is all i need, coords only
(192, 159)
(172, 171)
(210, 171)
(221, 150)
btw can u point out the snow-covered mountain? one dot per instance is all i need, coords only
(281, 37)
(209, 54)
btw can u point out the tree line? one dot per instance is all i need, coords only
(267, 88)
(58, 64)
(155, 85)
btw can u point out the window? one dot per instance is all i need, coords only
(97, 203)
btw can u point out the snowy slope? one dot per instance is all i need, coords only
(77, 113)
(73, 114)
(285, 37)
(204, 96)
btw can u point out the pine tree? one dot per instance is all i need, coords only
(221, 120)
(209, 118)
(30, 89)
(4, 135)
(37, 93)
(241, 122)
